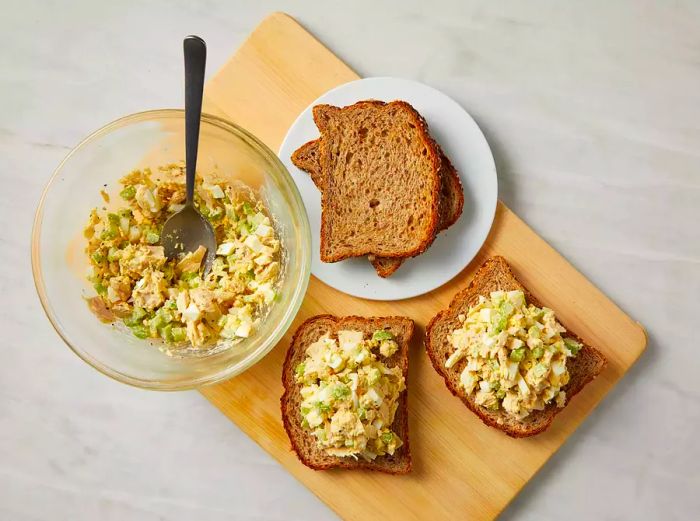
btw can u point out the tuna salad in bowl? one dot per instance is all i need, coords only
(170, 323)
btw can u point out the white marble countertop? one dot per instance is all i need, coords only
(592, 110)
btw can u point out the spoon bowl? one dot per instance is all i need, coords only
(187, 230)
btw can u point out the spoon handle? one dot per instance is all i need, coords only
(195, 61)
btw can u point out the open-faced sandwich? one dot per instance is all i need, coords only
(344, 401)
(508, 358)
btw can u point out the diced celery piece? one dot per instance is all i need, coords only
(166, 333)
(166, 315)
(140, 331)
(157, 322)
(517, 354)
(136, 318)
(109, 233)
(381, 335)
(501, 323)
(191, 278)
(255, 220)
(128, 192)
(534, 331)
(189, 275)
(323, 407)
(506, 308)
(179, 334)
(572, 345)
(540, 370)
(243, 228)
(341, 391)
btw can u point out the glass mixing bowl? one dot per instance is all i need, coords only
(59, 264)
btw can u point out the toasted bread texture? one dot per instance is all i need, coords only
(302, 441)
(306, 158)
(382, 184)
(495, 274)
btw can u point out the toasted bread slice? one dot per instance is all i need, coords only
(381, 181)
(303, 442)
(495, 274)
(451, 197)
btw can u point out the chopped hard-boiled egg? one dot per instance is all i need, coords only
(173, 299)
(226, 248)
(216, 191)
(191, 313)
(349, 395)
(511, 355)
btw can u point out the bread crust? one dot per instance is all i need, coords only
(400, 463)
(584, 368)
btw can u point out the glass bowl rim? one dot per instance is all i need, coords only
(230, 370)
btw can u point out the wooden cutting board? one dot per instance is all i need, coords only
(462, 469)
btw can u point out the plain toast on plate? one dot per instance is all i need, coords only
(303, 442)
(451, 198)
(495, 274)
(382, 184)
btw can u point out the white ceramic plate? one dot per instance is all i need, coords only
(454, 248)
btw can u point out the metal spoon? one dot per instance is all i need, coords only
(188, 229)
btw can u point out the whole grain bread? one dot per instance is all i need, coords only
(381, 181)
(306, 158)
(303, 443)
(495, 274)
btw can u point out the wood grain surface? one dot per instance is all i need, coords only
(462, 469)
